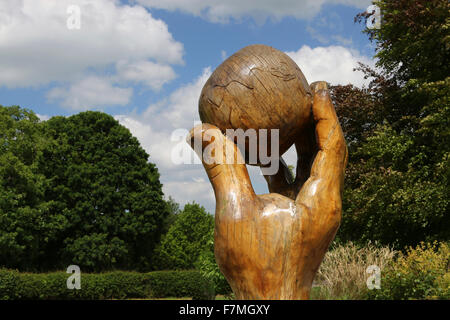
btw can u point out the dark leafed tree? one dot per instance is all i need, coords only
(397, 181)
(413, 39)
(76, 190)
(101, 182)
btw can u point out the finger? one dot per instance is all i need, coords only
(223, 163)
(325, 182)
(328, 131)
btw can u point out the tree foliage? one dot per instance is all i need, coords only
(397, 182)
(207, 265)
(23, 214)
(76, 190)
(413, 40)
(186, 238)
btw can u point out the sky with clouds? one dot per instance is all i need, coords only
(146, 61)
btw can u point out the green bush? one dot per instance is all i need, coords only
(8, 283)
(420, 273)
(180, 284)
(207, 265)
(52, 286)
(111, 285)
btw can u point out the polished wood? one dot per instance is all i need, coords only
(270, 246)
(258, 87)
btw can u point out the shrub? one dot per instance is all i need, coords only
(52, 286)
(180, 284)
(111, 285)
(342, 274)
(8, 282)
(420, 273)
(207, 265)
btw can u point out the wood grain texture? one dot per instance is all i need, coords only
(258, 87)
(270, 246)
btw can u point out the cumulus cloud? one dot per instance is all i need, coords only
(224, 11)
(121, 41)
(89, 93)
(154, 75)
(333, 64)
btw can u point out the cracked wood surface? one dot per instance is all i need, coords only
(258, 87)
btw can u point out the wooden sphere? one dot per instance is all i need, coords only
(258, 87)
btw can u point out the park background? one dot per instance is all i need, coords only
(86, 176)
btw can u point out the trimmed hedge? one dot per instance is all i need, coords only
(112, 285)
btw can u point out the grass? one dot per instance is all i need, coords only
(342, 274)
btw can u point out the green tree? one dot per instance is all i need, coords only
(397, 180)
(23, 214)
(173, 209)
(186, 238)
(76, 190)
(413, 39)
(207, 265)
(100, 180)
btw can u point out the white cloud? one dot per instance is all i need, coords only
(180, 109)
(333, 64)
(222, 11)
(90, 92)
(188, 191)
(124, 43)
(42, 117)
(152, 74)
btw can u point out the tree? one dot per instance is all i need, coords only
(101, 181)
(78, 190)
(186, 238)
(173, 209)
(23, 214)
(397, 184)
(412, 41)
(397, 179)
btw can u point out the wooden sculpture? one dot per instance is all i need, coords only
(270, 246)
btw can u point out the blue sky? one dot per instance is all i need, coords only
(145, 61)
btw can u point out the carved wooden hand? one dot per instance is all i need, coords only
(270, 246)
